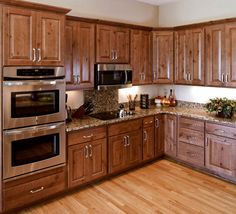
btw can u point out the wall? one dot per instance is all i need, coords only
(195, 11)
(128, 11)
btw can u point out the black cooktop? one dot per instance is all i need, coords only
(107, 115)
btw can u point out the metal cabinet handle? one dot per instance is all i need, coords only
(144, 76)
(128, 140)
(86, 152)
(116, 55)
(189, 76)
(76, 79)
(91, 151)
(226, 78)
(40, 56)
(37, 190)
(87, 136)
(125, 141)
(154, 75)
(222, 78)
(145, 135)
(112, 55)
(34, 55)
(157, 123)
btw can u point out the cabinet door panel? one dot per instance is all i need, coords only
(220, 155)
(78, 164)
(163, 57)
(98, 159)
(148, 143)
(215, 55)
(230, 32)
(50, 38)
(19, 36)
(159, 135)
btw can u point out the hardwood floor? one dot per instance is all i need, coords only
(162, 187)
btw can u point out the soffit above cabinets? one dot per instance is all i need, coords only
(157, 2)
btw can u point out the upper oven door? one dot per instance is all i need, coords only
(33, 102)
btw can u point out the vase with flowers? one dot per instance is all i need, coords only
(222, 106)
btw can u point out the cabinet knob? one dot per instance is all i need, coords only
(125, 141)
(86, 152)
(145, 135)
(91, 151)
(157, 123)
(39, 55)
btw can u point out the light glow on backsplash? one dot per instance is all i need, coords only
(75, 98)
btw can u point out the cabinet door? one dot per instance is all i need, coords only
(170, 135)
(50, 39)
(220, 155)
(197, 72)
(70, 32)
(78, 165)
(159, 135)
(85, 54)
(182, 61)
(230, 35)
(148, 143)
(18, 36)
(215, 55)
(98, 159)
(134, 148)
(163, 57)
(104, 44)
(121, 45)
(116, 153)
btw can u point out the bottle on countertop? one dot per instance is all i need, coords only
(172, 99)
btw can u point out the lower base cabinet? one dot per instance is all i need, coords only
(159, 135)
(24, 191)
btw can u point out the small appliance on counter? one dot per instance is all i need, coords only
(144, 101)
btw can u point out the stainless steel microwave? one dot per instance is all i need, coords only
(112, 76)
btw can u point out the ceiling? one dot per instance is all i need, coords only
(157, 2)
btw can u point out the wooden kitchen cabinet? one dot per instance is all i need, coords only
(87, 159)
(159, 135)
(148, 138)
(190, 147)
(189, 57)
(33, 37)
(79, 55)
(112, 44)
(163, 42)
(220, 149)
(141, 57)
(170, 135)
(125, 145)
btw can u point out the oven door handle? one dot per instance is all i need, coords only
(32, 82)
(35, 129)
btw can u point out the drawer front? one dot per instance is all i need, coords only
(221, 130)
(86, 135)
(191, 124)
(191, 137)
(31, 191)
(124, 127)
(191, 154)
(148, 121)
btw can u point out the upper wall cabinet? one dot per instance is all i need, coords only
(79, 54)
(163, 57)
(221, 55)
(32, 38)
(189, 57)
(112, 44)
(141, 57)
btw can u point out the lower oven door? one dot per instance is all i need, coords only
(31, 149)
(33, 102)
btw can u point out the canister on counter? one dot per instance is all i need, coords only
(144, 101)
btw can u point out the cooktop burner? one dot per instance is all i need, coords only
(109, 115)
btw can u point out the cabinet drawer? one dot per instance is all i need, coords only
(33, 190)
(191, 137)
(221, 130)
(191, 124)
(86, 135)
(191, 154)
(148, 121)
(124, 127)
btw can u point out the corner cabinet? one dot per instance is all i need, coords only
(32, 38)
(112, 44)
(87, 155)
(141, 57)
(163, 42)
(79, 55)
(189, 57)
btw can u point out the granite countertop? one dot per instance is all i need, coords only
(197, 113)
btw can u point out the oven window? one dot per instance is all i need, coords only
(34, 149)
(34, 103)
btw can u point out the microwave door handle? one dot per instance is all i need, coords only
(44, 82)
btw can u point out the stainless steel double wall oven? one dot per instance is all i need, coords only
(33, 119)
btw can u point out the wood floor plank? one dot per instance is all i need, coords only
(163, 187)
